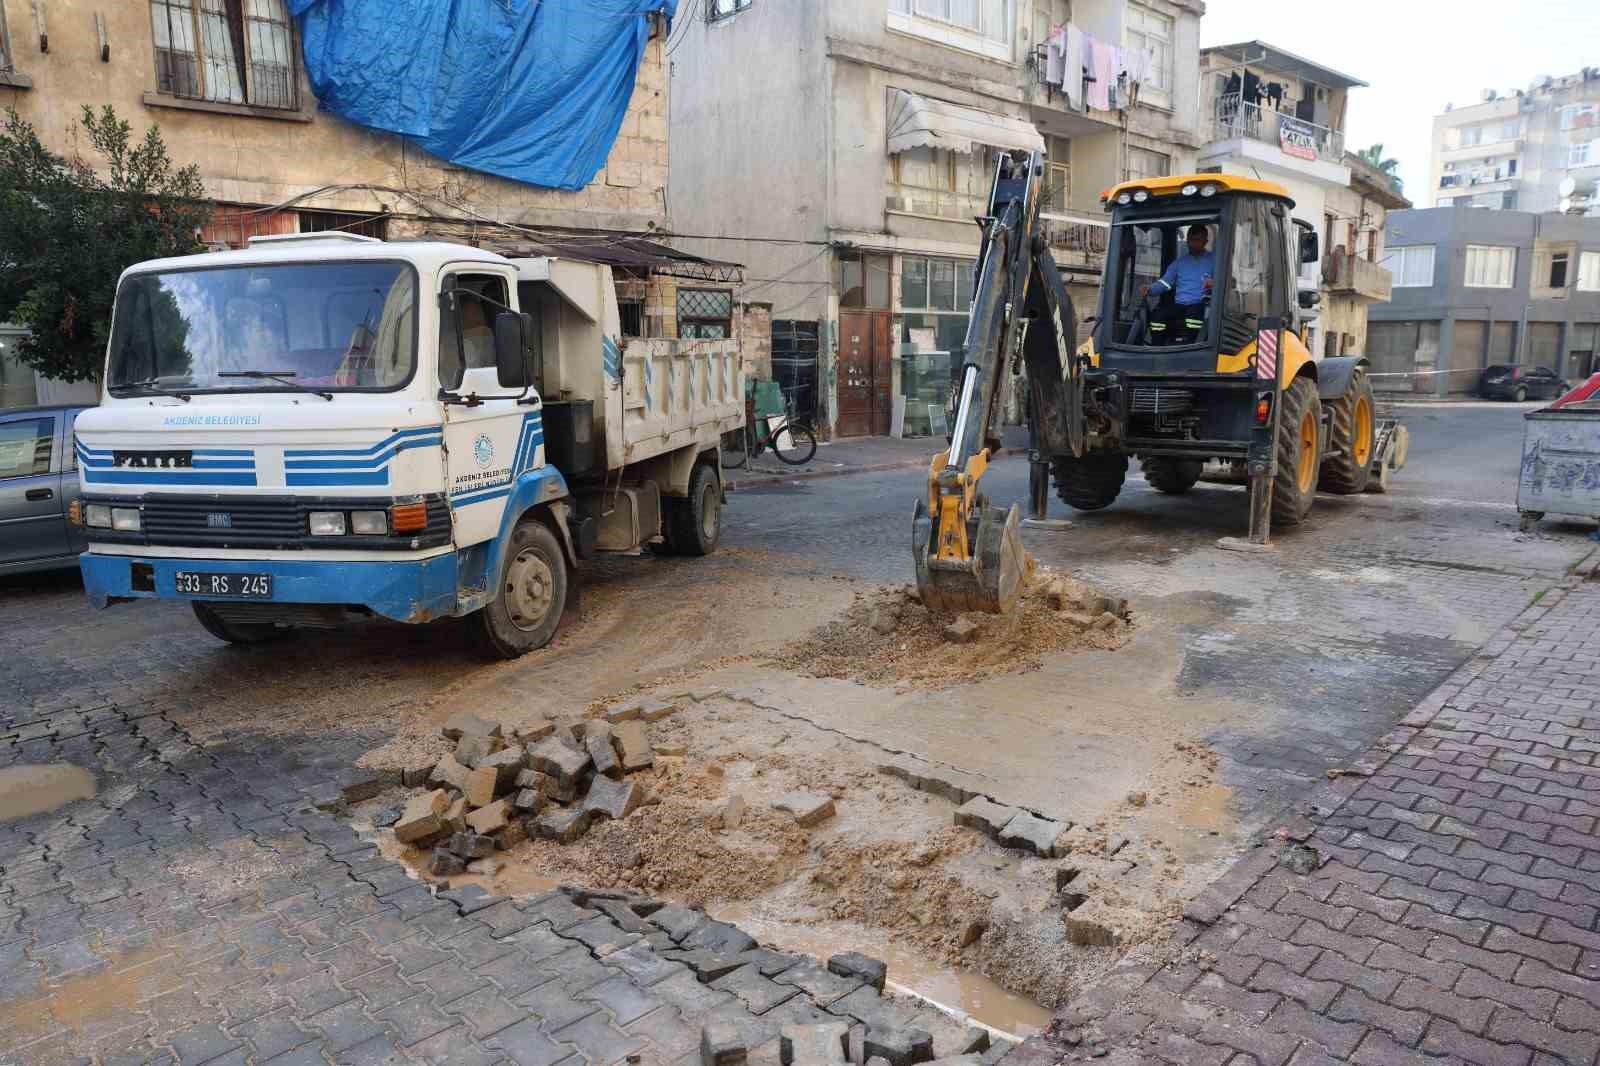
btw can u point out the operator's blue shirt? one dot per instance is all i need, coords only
(1188, 275)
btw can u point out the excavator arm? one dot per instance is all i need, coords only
(969, 554)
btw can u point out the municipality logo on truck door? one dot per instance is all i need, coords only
(483, 450)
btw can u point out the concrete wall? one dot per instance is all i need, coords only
(266, 157)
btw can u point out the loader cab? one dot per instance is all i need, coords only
(1182, 325)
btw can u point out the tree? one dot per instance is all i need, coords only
(1374, 157)
(69, 227)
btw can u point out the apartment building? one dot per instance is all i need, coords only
(841, 149)
(228, 87)
(1354, 277)
(1535, 149)
(1474, 288)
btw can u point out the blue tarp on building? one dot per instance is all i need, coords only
(533, 90)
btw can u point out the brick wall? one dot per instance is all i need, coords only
(752, 325)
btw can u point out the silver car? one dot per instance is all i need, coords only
(38, 482)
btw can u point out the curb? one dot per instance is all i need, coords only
(734, 485)
(1216, 899)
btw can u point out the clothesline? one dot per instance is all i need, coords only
(1094, 74)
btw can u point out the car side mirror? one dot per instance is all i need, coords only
(1310, 248)
(511, 349)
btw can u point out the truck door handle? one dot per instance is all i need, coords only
(40, 494)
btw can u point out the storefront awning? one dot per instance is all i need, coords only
(919, 122)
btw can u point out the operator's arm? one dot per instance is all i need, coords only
(1170, 277)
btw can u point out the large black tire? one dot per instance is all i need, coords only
(234, 632)
(1091, 483)
(1352, 433)
(530, 594)
(1171, 475)
(1299, 438)
(694, 524)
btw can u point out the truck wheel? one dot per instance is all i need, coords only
(1299, 430)
(1352, 429)
(1169, 475)
(694, 524)
(235, 632)
(532, 592)
(1092, 482)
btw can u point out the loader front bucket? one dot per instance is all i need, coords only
(990, 581)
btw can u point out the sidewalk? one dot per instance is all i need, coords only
(861, 455)
(1438, 905)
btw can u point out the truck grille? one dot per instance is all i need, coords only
(1155, 401)
(274, 522)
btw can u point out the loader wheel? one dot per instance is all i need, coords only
(694, 524)
(1169, 475)
(1351, 432)
(1090, 483)
(1299, 427)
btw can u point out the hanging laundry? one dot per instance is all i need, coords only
(1075, 58)
(1138, 64)
(1055, 65)
(1102, 67)
(1275, 93)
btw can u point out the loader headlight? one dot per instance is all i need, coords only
(1125, 198)
(1208, 190)
(369, 523)
(1141, 196)
(327, 523)
(97, 515)
(1190, 189)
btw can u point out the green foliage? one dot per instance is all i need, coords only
(69, 227)
(1375, 158)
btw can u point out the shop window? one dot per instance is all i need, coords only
(864, 281)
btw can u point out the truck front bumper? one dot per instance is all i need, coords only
(406, 590)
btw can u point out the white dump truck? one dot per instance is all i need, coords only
(324, 425)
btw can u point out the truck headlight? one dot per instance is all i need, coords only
(369, 523)
(327, 523)
(97, 515)
(125, 519)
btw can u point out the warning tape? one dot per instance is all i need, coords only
(1422, 373)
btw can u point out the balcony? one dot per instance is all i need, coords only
(1076, 242)
(1233, 118)
(1353, 276)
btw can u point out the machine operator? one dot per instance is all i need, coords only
(1189, 279)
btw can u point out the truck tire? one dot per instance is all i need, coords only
(531, 593)
(694, 524)
(1091, 483)
(1299, 435)
(1170, 475)
(235, 632)
(1352, 431)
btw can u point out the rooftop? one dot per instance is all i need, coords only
(1262, 54)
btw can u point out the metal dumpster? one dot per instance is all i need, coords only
(1560, 463)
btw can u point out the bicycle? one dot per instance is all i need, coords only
(791, 439)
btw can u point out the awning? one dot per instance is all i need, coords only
(919, 122)
(621, 250)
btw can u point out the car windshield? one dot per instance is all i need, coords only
(335, 326)
(1145, 249)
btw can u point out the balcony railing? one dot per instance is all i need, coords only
(1076, 241)
(1234, 117)
(1354, 276)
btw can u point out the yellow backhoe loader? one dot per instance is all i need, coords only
(1189, 361)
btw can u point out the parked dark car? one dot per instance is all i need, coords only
(38, 482)
(1507, 382)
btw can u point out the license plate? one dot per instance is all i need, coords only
(229, 586)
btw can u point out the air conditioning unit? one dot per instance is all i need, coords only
(897, 203)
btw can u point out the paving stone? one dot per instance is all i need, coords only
(823, 986)
(491, 818)
(624, 999)
(758, 993)
(555, 759)
(721, 1044)
(202, 1043)
(416, 1019)
(677, 922)
(561, 825)
(473, 748)
(465, 723)
(422, 817)
(479, 787)
(600, 750)
(533, 730)
(527, 1045)
(612, 799)
(873, 1010)
(709, 965)
(471, 845)
(449, 773)
(507, 764)
(633, 745)
(1027, 832)
(601, 935)
(900, 1047)
(598, 1040)
(984, 815)
(469, 899)
(445, 863)
(822, 1044)
(344, 1026)
(854, 964)
(807, 808)
(719, 937)
(555, 1004)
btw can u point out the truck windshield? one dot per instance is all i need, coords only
(1150, 311)
(335, 326)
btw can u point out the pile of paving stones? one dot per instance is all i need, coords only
(540, 780)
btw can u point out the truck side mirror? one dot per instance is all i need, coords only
(1310, 249)
(511, 350)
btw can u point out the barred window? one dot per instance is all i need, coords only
(226, 51)
(705, 313)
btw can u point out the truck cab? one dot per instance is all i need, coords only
(322, 426)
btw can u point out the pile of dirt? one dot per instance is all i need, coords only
(888, 636)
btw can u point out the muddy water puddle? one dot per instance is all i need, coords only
(968, 995)
(34, 789)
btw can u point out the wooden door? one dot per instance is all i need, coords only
(866, 372)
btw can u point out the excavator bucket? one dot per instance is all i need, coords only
(990, 580)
